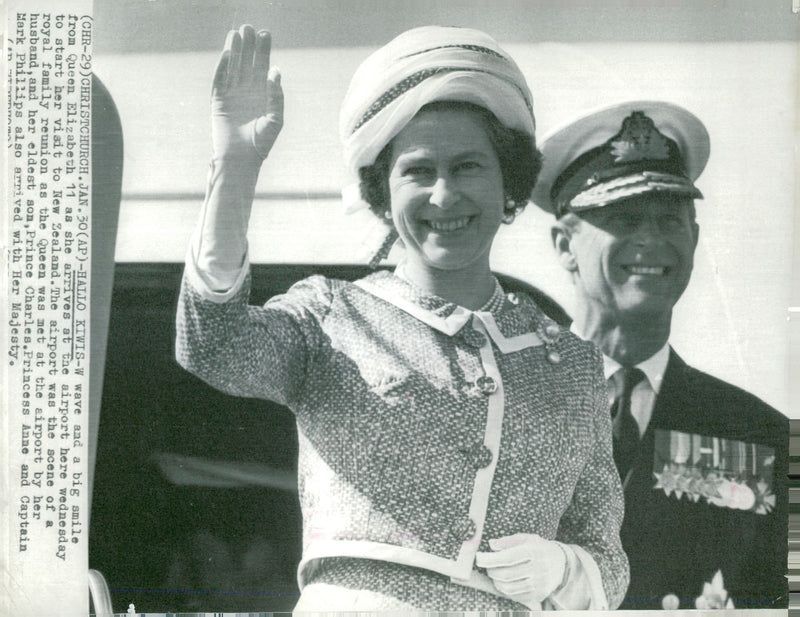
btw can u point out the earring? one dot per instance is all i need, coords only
(509, 211)
(387, 214)
(572, 265)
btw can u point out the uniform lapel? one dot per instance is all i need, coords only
(668, 408)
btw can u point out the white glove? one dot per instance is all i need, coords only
(525, 567)
(246, 117)
(246, 98)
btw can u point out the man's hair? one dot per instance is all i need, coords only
(520, 162)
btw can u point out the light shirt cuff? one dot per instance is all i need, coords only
(583, 588)
(217, 286)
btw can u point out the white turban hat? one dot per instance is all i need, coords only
(422, 65)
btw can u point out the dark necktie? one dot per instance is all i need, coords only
(626, 430)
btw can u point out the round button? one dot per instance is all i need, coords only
(552, 330)
(481, 456)
(554, 357)
(478, 455)
(486, 384)
(670, 602)
(473, 338)
(463, 529)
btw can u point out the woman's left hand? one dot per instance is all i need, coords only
(524, 567)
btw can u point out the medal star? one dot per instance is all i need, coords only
(682, 484)
(765, 499)
(666, 480)
(695, 485)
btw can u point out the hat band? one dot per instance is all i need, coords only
(415, 79)
(478, 48)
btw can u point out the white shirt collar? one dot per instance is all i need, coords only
(654, 367)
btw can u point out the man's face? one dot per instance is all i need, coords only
(633, 259)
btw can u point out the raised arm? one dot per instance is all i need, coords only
(240, 349)
(246, 117)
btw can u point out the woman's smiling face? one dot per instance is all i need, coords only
(446, 189)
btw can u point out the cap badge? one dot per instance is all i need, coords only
(639, 140)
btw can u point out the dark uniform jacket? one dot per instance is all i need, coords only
(708, 493)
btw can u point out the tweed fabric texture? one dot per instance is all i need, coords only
(416, 587)
(392, 419)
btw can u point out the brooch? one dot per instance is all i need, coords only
(714, 595)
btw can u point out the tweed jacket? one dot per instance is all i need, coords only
(677, 539)
(424, 429)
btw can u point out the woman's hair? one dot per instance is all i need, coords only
(520, 162)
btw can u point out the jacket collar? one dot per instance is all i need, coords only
(673, 391)
(446, 317)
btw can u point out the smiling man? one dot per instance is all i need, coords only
(703, 463)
